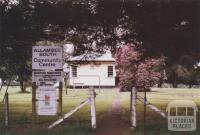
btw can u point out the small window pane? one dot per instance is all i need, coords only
(110, 71)
(172, 111)
(190, 111)
(74, 71)
(182, 111)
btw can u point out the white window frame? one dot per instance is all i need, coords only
(110, 76)
(72, 72)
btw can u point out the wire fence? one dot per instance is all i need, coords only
(20, 109)
(158, 101)
(161, 99)
(1, 115)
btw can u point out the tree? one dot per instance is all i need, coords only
(184, 70)
(136, 70)
(164, 28)
(17, 39)
(193, 77)
(148, 73)
(171, 29)
(176, 74)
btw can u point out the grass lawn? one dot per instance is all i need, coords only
(79, 123)
(156, 125)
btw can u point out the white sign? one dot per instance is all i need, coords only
(47, 104)
(47, 57)
(47, 77)
(182, 115)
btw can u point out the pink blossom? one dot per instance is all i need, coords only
(133, 71)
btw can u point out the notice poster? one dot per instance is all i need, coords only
(47, 104)
(43, 77)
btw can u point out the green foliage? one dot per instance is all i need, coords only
(185, 71)
(164, 28)
(19, 31)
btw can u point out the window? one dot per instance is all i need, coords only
(182, 111)
(173, 111)
(74, 71)
(110, 71)
(190, 111)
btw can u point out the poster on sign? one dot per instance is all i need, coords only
(47, 102)
(47, 57)
(46, 77)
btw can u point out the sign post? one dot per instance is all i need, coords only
(6, 107)
(47, 70)
(60, 98)
(33, 102)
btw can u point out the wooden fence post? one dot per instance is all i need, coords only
(93, 107)
(133, 107)
(6, 110)
(145, 110)
(34, 102)
(60, 97)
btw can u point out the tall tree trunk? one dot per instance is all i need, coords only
(22, 86)
(190, 84)
(160, 83)
(175, 84)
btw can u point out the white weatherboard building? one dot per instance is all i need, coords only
(92, 70)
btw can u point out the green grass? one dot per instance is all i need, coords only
(155, 124)
(79, 123)
(74, 129)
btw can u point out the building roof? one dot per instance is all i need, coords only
(93, 57)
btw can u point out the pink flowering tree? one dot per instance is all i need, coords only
(134, 70)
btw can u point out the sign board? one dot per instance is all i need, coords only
(47, 57)
(47, 77)
(47, 66)
(47, 104)
(182, 115)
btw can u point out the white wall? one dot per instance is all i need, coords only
(96, 75)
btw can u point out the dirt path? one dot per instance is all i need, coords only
(112, 123)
